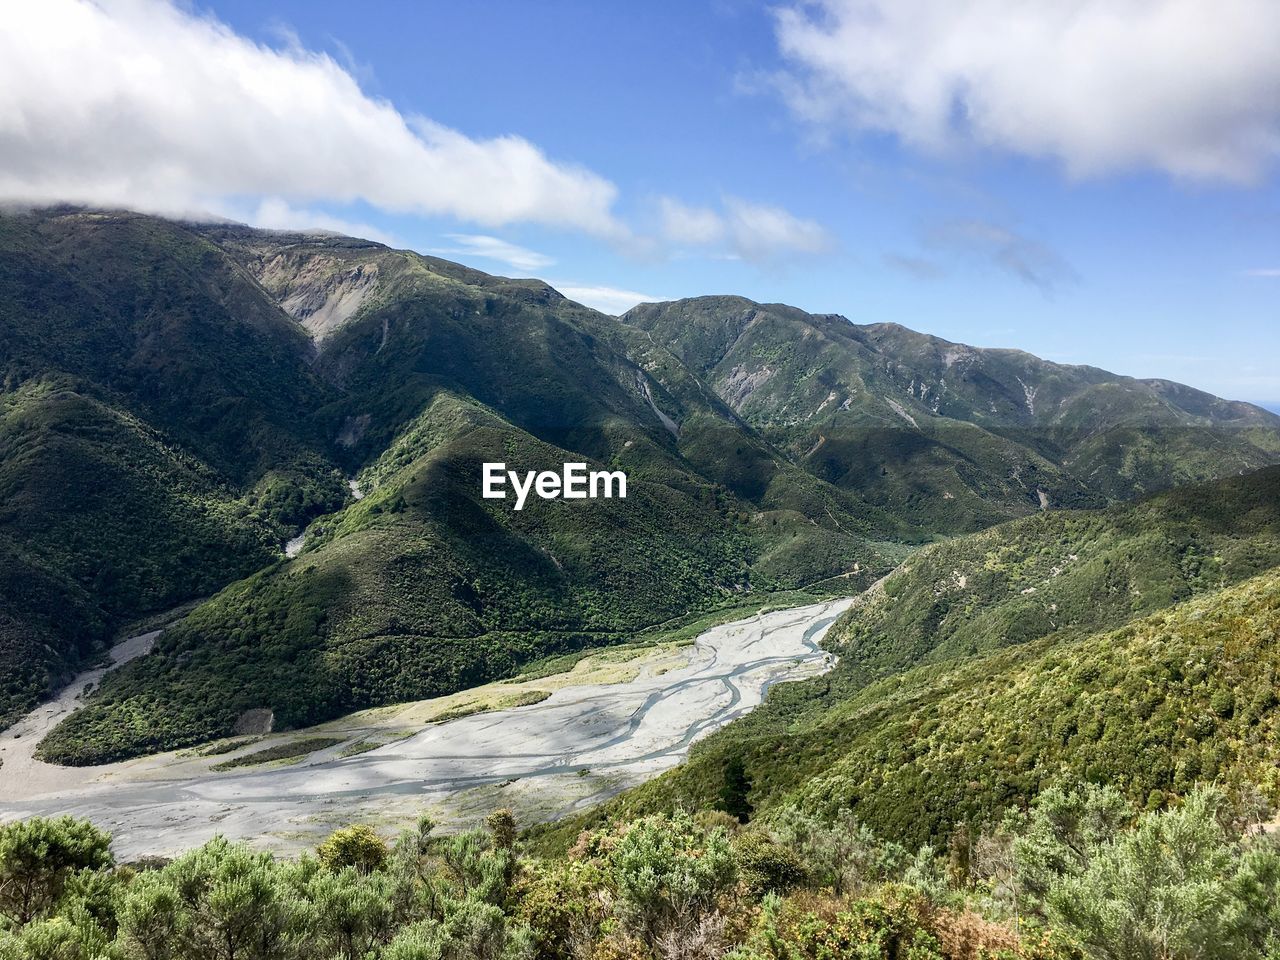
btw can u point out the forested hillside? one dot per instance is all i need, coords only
(1065, 573)
(1134, 647)
(951, 436)
(205, 392)
(156, 439)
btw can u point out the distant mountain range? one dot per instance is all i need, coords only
(179, 400)
(949, 436)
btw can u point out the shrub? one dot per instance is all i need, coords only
(840, 853)
(357, 846)
(667, 874)
(767, 866)
(1162, 889)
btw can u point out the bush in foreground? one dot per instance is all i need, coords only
(1080, 874)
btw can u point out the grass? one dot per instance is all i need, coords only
(288, 750)
(365, 744)
(470, 708)
(219, 747)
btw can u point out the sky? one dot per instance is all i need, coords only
(1093, 181)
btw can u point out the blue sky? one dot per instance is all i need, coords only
(956, 181)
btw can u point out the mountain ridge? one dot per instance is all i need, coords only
(277, 365)
(439, 366)
(953, 436)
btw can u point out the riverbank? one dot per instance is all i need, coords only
(579, 737)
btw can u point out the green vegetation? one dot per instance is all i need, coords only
(523, 699)
(1009, 760)
(219, 747)
(947, 437)
(285, 750)
(151, 447)
(1066, 574)
(203, 397)
(1167, 701)
(199, 425)
(1107, 645)
(356, 846)
(1080, 874)
(410, 593)
(131, 525)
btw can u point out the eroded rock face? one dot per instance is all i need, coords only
(257, 721)
(741, 383)
(320, 292)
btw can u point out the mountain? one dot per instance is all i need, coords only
(202, 393)
(953, 437)
(1066, 573)
(205, 391)
(1135, 646)
(154, 442)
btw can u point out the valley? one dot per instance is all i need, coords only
(616, 719)
(1036, 586)
(604, 481)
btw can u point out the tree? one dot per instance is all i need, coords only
(1162, 889)
(424, 940)
(1063, 832)
(734, 794)
(483, 872)
(355, 913)
(221, 901)
(54, 938)
(557, 901)
(37, 859)
(502, 827)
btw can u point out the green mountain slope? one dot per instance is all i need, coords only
(950, 436)
(417, 371)
(155, 319)
(1096, 644)
(398, 327)
(1065, 572)
(1183, 696)
(154, 435)
(207, 388)
(423, 588)
(1179, 697)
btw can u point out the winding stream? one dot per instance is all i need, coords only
(579, 746)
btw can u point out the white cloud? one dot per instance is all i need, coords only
(749, 231)
(761, 231)
(495, 248)
(1188, 87)
(138, 103)
(275, 214)
(609, 300)
(1267, 272)
(699, 226)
